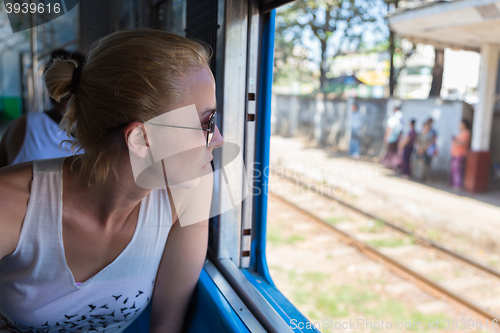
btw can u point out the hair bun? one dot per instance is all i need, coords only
(58, 78)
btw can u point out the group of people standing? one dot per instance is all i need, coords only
(412, 153)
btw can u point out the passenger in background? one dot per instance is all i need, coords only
(356, 124)
(459, 148)
(391, 139)
(37, 135)
(406, 146)
(425, 150)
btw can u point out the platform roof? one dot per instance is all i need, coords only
(460, 24)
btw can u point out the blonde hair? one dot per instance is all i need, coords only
(128, 76)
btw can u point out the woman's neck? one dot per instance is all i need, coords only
(109, 204)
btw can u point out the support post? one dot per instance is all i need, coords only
(34, 65)
(478, 161)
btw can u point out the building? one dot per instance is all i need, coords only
(466, 25)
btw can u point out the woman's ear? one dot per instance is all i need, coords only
(136, 139)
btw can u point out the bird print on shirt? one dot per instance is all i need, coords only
(96, 318)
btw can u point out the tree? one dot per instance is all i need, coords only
(290, 61)
(437, 73)
(338, 25)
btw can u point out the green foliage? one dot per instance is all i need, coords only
(336, 24)
(290, 60)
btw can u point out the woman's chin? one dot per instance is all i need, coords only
(186, 185)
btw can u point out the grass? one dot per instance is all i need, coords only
(294, 239)
(347, 300)
(493, 260)
(391, 242)
(276, 237)
(434, 234)
(337, 219)
(323, 182)
(409, 226)
(273, 235)
(335, 301)
(306, 277)
(437, 277)
(315, 291)
(372, 226)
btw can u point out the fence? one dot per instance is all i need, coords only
(327, 122)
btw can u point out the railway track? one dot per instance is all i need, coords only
(440, 271)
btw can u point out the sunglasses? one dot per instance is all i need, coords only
(210, 130)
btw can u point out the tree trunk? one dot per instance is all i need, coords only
(437, 73)
(392, 79)
(322, 66)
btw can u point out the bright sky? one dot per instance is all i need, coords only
(461, 69)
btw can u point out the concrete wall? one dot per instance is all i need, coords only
(327, 122)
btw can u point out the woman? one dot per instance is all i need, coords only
(425, 140)
(407, 147)
(459, 149)
(82, 246)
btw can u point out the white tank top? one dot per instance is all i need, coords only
(37, 289)
(42, 139)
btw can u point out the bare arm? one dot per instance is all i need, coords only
(388, 132)
(15, 184)
(178, 275)
(3, 150)
(404, 142)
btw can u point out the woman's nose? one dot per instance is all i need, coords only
(217, 140)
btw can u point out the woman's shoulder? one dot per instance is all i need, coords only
(163, 197)
(15, 183)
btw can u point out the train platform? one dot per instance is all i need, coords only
(368, 185)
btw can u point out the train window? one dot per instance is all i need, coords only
(376, 213)
(126, 14)
(170, 15)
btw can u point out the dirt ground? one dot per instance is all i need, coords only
(463, 222)
(333, 284)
